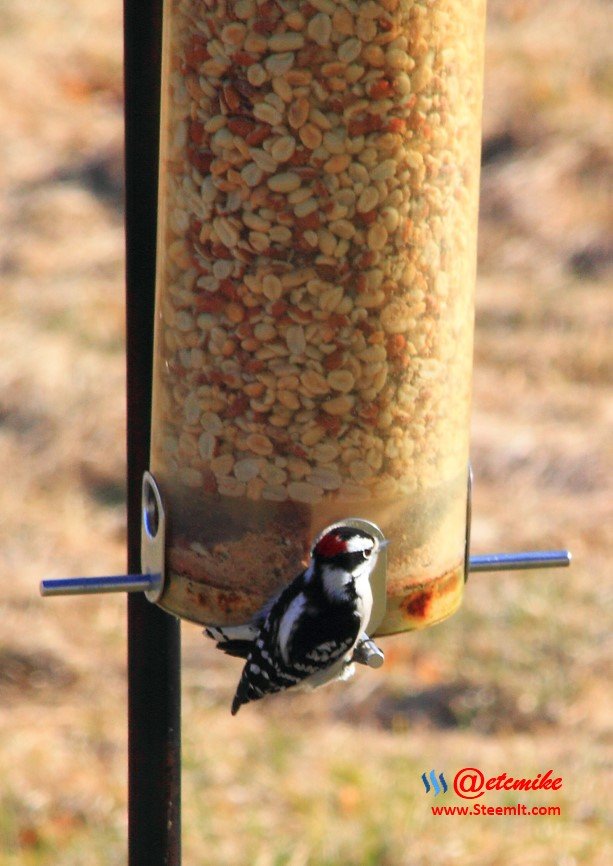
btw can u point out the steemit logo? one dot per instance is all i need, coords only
(439, 784)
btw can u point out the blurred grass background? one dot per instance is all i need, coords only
(517, 681)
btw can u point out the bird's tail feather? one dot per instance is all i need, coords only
(238, 648)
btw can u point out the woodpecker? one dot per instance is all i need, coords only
(308, 634)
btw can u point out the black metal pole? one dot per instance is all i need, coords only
(154, 698)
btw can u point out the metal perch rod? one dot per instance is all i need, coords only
(146, 582)
(520, 561)
(84, 585)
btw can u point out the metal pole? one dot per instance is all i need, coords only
(154, 698)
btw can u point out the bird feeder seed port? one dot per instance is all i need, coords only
(316, 251)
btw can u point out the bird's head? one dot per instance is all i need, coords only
(345, 554)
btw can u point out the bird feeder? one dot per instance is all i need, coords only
(316, 248)
(316, 267)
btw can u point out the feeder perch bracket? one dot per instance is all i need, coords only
(521, 561)
(153, 536)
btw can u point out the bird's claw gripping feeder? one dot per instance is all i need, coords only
(316, 249)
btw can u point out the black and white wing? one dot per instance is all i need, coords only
(297, 645)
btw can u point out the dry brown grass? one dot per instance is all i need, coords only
(517, 681)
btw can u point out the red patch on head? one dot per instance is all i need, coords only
(330, 545)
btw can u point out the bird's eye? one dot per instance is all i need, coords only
(367, 553)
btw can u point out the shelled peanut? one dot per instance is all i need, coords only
(319, 189)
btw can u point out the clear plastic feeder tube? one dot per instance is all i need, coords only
(314, 313)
